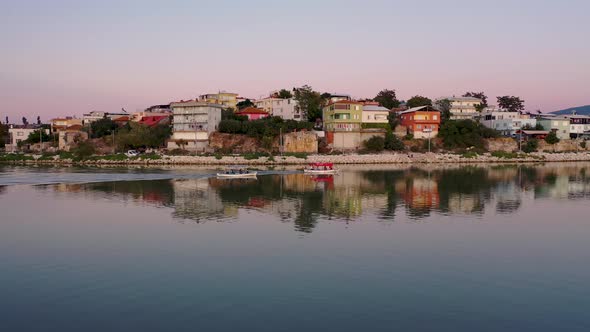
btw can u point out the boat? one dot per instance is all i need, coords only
(320, 168)
(237, 173)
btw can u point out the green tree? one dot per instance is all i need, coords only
(530, 146)
(3, 135)
(310, 102)
(552, 138)
(102, 127)
(418, 101)
(387, 99)
(444, 105)
(35, 137)
(243, 104)
(83, 150)
(375, 144)
(392, 142)
(284, 94)
(511, 103)
(461, 134)
(136, 136)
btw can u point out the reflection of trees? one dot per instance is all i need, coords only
(2, 189)
(464, 190)
(155, 191)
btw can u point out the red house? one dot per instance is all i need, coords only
(253, 113)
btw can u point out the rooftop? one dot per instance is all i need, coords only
(419, 108)
(251, 110)
(374, 108)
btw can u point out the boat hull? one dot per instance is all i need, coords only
(237, 176)
(311, 171)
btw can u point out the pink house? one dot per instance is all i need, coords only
(253, 113)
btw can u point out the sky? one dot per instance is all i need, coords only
(60, 58)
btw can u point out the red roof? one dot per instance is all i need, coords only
(152, 121)
(251, 110)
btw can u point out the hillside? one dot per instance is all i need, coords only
(582, 110)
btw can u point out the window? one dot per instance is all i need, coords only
(434, 117)
(20, 133)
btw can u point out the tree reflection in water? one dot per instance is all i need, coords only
(382, 193)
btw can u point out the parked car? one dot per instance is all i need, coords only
(132, 153)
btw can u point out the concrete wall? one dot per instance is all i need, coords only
(352, 140)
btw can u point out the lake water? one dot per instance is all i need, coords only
(379, 248)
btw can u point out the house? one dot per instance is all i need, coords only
(335, 97)
(287, 109)
(559, 124)
(223, 98)
(373, 113)
(193, 122)
(579, 125)
(343, 115)
(421, 122)
(69, 137)
(59, 124)
(19, 133)
(530, 134)
(93, 116)
(253, 113)
(463, 108)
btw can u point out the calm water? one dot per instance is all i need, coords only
(441, 248)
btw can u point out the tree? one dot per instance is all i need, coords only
(310, 102)
(102, 127)
(393, 119)
(511, 103)
(530, 146)
(387, 99)
(464, 134)
(243, 104)
(284, 94)
(25, 121)
(392, 142)
(552, 138)
(38, 120)
(478, 95)
(37, 135)
(444, 105)
(3, 135)
(418, 101)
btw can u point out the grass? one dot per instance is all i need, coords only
(505, 154)
(150, 156)
(15, 157)
(300, 155)
(469, 154)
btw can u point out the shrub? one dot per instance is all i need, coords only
(504, 154)
(552, 138)
(460, 134)
(218, 156)
(300, 155)
(530, 146)
(83, 150)
(375, 144)
(469, 154)
(150, 156)
(178, 152)
(583, 144)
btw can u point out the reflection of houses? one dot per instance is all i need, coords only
(419, 193)
(198, 201)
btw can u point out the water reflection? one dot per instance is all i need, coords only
(383, 192)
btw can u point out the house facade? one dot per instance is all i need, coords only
(193, 122)
(253, 113)
(463, 108)
(559, 124)
(223, 98)
(579, 125)
(373, 113)
(59, 124)
(17, 134)
(287, 109)
(507, 123)
(421, 122)
(89, 118)
(343, 115)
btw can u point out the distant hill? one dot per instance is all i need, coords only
(582, 110)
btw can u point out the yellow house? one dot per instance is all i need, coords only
(343, 115)
(226, 99)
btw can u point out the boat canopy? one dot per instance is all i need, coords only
(321, 164)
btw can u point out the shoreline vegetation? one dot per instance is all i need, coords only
(297, 159)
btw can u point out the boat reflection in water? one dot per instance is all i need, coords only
(383, 192)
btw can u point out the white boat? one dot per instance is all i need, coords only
(237, 173)
(320, 168)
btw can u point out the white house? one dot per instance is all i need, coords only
(373, 113)
(579, 124)
(193, 122)
(287, 109)
(17, 134)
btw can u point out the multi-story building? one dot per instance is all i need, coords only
(421, 122)
(559, 124)
(287, 109)
(156, 110)
(373, 113)
(579, 125)
(507, 123)
(193, 122)
(335, 97)
(463, 108)
(223, 98)
(343, 115)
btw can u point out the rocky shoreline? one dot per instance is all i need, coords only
(383, 158)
